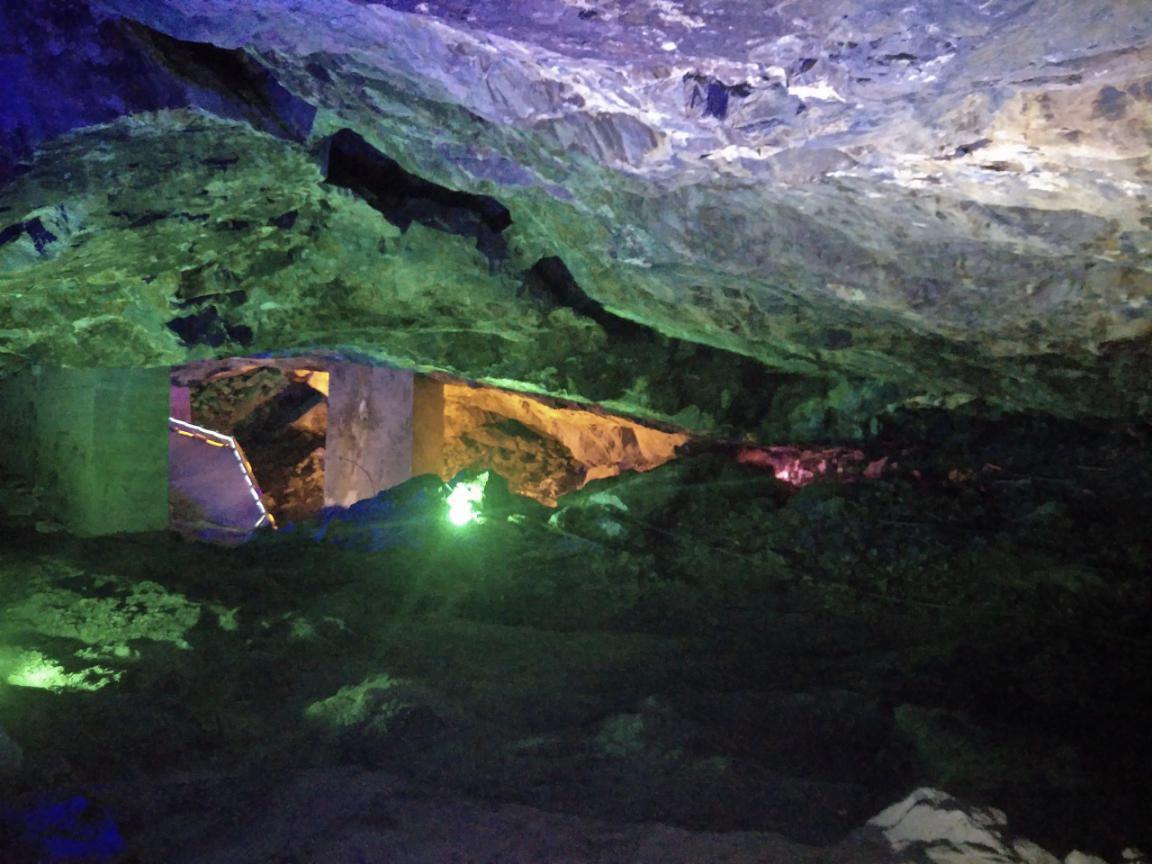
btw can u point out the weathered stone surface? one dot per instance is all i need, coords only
(954, 189)
(215, 268)
(699, 645)
(932, 825)
(66, 65)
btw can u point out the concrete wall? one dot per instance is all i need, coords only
(369, 442)
(94, 442)
(427, 426)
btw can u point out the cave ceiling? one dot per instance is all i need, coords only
(927, 203)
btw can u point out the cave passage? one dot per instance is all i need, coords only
(212, 491)
(218, 449)
(316, 434)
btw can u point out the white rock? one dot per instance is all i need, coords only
(1029, 852)
(1077, 857)
(933, 817)
(933, 826)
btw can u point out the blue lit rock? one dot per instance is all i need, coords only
(957, 181)
(899, 205)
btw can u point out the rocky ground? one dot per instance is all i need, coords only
(693, 664)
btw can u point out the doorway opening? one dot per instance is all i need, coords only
(312, 433)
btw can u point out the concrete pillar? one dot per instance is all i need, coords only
(369, 442)
(95, 443)
(427, 426)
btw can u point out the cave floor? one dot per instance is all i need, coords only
(691, 664)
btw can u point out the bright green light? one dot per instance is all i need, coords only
(38, 672)
(34, 670)
(462, 501)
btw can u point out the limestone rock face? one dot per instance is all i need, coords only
(950, 196)
(544, 451)
(930, 825)
(68, 65)
(176, 236)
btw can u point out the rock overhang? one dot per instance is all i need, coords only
(945, 199)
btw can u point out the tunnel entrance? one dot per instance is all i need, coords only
(212, 490)
(275, 412)
(259, 442)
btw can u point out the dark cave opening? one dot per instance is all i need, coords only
(403, 198)
(277, 414)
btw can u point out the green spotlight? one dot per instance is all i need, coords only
(464, 499)
(38, 672)
(32, 669)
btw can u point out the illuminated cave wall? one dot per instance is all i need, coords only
(320, 432)
(92, 444)
(542, 449)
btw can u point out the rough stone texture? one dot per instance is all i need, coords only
(932, 826)
(280, 422)
(247, 251)
(698, 646)
(946, 196)
(126, 613)
(65, 65)
(94, 441)
(544, 450)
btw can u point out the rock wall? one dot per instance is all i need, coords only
(947, 196)
(249, 252)
(864, 206)
(544, 450)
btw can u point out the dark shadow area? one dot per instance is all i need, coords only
(550, 283)
(228, 82)
(88, 61)
(698, 645)
(403, 198)
(65, 65)
(206, 327)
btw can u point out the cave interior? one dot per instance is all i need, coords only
(575, 432)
